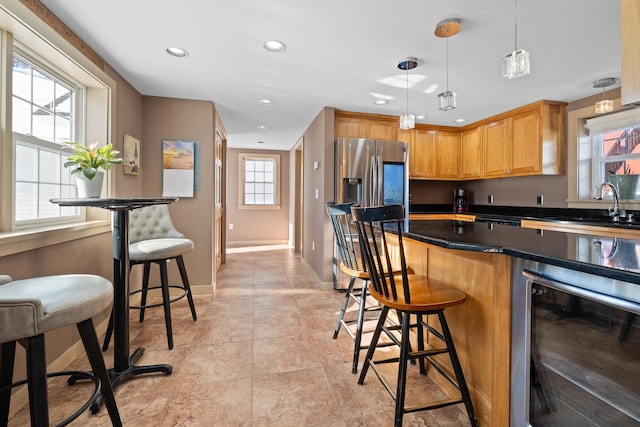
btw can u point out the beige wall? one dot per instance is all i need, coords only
(318, 147)
(170, 118)
(249, 224)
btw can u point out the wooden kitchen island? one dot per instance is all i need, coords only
(478, 258)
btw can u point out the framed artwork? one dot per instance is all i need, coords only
(131, 155)
(179, 160)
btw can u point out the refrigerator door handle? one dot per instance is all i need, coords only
(379, 173)
(374, 183)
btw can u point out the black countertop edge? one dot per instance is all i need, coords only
(517, 213)
(522, 252)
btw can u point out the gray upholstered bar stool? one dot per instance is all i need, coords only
(154, 239)
(31, 307)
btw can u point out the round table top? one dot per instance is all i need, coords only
(116, 203)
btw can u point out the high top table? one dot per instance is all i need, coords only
(123, 365)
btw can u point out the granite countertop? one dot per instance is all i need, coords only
(611, 257)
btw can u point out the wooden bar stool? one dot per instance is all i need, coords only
(31, 307)
(416, 297)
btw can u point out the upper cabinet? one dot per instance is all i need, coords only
(630, 66)
(529, 140)
(363, 126)
(471, 153)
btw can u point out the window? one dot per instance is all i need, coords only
(44, 116)
(259, 175)
(611, 148)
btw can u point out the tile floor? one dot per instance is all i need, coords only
(260, 354)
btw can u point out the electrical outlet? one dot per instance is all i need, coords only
(230, 226)
(490, 199)
(539, 199)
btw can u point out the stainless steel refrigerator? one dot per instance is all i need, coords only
(370, 172)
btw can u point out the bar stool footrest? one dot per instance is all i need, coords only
(171, 301)
(73, 377)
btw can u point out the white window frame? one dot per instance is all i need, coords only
(63, 215)
(583, 175)
(18, 24)
(242, 158)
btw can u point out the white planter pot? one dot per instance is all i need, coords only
(89, 188)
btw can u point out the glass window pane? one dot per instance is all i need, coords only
(259, 199)
(259, 188)
(268, 177)
(65, 173)
(249, 199)
(268, 199)
(26, 201)
(268, 188)
(268, 167)
(21, 79)
(43, 90)
(249, 176)
(249, 165)
(62, 130)
(26, 163)
(259, 166)
(46, 208)
(42, 124)
(259, 177)
(49, 164)
(63, 101)
(249, 188)
(21, 120)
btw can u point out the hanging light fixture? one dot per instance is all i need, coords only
(605, 105)
(516, 64)
(407, 121)
(445, 29)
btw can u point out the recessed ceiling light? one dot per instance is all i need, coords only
(265, 102)
(274, 46)
(461, 120)
(260, 142)
(381, 102)
(421, 117)
(177, 51)
(262, 127)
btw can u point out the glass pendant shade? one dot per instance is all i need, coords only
(604, 106)
(516, 64)
(447, 100)
(407, 121)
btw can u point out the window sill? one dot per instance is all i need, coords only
(25, 240)
(259, 207)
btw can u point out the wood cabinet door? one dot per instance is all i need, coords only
(495, 148)
(382, 129)
(471, 153)
(630, 64)
(350, 127)
(448, 154)
(406, 135)
(526, 143)
(422, 160)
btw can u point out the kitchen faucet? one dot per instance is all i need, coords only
(614, 212)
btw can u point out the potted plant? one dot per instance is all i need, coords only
(626, 183)
(87, 162)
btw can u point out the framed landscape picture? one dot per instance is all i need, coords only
(131, 155)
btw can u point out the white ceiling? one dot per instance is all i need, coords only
(340, 53)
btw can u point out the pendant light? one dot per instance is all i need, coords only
(445, 29)
(408, 121)
(516, 64)
(605, 105)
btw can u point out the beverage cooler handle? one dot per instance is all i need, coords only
(622, 304)
(379, 189)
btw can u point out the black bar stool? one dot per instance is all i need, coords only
(416, 297)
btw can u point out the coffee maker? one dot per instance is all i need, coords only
(460, 200)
